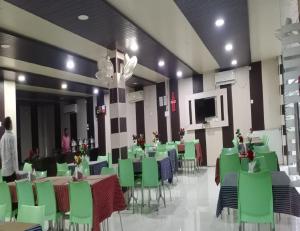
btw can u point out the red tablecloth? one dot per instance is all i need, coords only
(198, 152)
(106, 191)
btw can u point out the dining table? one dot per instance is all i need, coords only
(106, 193)
(286, 198)
(19, 226)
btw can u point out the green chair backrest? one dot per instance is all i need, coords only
(265, 139)
(196, 141)
(85, 167)
(41, 174)
(229, 151)
(189, 148)
(5, 198)
(130, 154)
(235, 143)
(161, 148)
(107, 171)
(1, 179)
(102, 158)
(171, 146)
(2, 212)
(261, 164)
(245, 164)
(177, 142)
(126, 173)
(261, 149)
(271, 160)
(32, 214)
(150, 172)
(255, 198)
(24, 193)
(46, 197)
(81, 202)
(27, 167)
(62, 169)
(229, 164)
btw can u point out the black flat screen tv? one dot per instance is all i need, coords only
(204, 108)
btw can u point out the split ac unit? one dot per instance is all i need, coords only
(225, 77)
(135, 96)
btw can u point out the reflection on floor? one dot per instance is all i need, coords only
(192, 208)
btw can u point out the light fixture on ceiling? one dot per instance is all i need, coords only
(83, 17)
(135, 83)
(21, 78)
(5, 46)
(228, 47)
(219, 22)
(64, 86)
(161, 63)
(234, 62)
(134, 46)
(96, 91)
(70, 64)
(179, 74)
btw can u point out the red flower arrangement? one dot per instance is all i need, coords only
(139, 140)
(249, 153)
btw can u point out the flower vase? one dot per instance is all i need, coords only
(77, 173)
(181, 140)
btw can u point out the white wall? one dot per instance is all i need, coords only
(271, 93)
(131, 119)
(150, 112)
(25, 130)
(81, 119)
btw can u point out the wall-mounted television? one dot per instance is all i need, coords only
(204, 108)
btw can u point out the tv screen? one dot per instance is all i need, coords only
(204, 108)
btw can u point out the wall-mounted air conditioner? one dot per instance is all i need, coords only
(225, 77)
(71, 108)
(135, 96)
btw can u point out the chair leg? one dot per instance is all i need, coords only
(120, 220)
(142, 199)
(164, 199)
(108, 223)
(132, 195)
(149, 197)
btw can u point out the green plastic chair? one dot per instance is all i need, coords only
(63, 169)
(46, 197)
(126, 177)
(261, 164)
(229, 151)
(41, 174)
(81, 203)
(196, 141)
(189, 154)
(85, 167)
(265, 139)
(255, 198)
(130, 154)
(103, 158)
(261, 149)
(271, 160)
(5, 199)
(229, 164)
(150, 179)
(161, 149)
(245, 164)
(32, 214)
(1, 179)
(107, 171)
(27, 167)
(24, 193)
(2, 212)
(171, 146)
(235, 143)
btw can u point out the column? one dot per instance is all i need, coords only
(117, 106)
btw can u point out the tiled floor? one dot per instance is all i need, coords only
(192, 208)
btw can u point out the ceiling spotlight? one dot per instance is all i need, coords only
(64, 86)
(135, 83)
(83, 17)
(234, 62)
(5, 46)
(70, 64)
(161, 63)
(21, 78)
(219, 22)
(134, 46)
(96, 91)
(228, 47)
(179, 74)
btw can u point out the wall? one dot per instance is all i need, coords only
(150, 112)
(107, 124)
(25, 130)
(81, 119)
(131, 119)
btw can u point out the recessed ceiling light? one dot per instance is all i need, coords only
(83, 17)
(161, 63)
(21, 78)
(134, 46)
(228, 47)
(179, 74)
(96, 91)
(70, 64)
(135, 83)
(5, 46)
(234, 62)
(64, 86)
(219, 22)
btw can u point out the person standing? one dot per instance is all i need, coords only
(65, 141)
(8, 151)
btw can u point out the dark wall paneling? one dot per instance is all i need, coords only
(256, 94)
(228, 133)
(200, 133)
(115, 154)
(101, 126)
(175, 118)
(57, 122)
(123, 124)
(18, 133)
(161, 119)
(1, 106)
(73, 125)
(34, 126)
(140, 118)
(90, 117)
